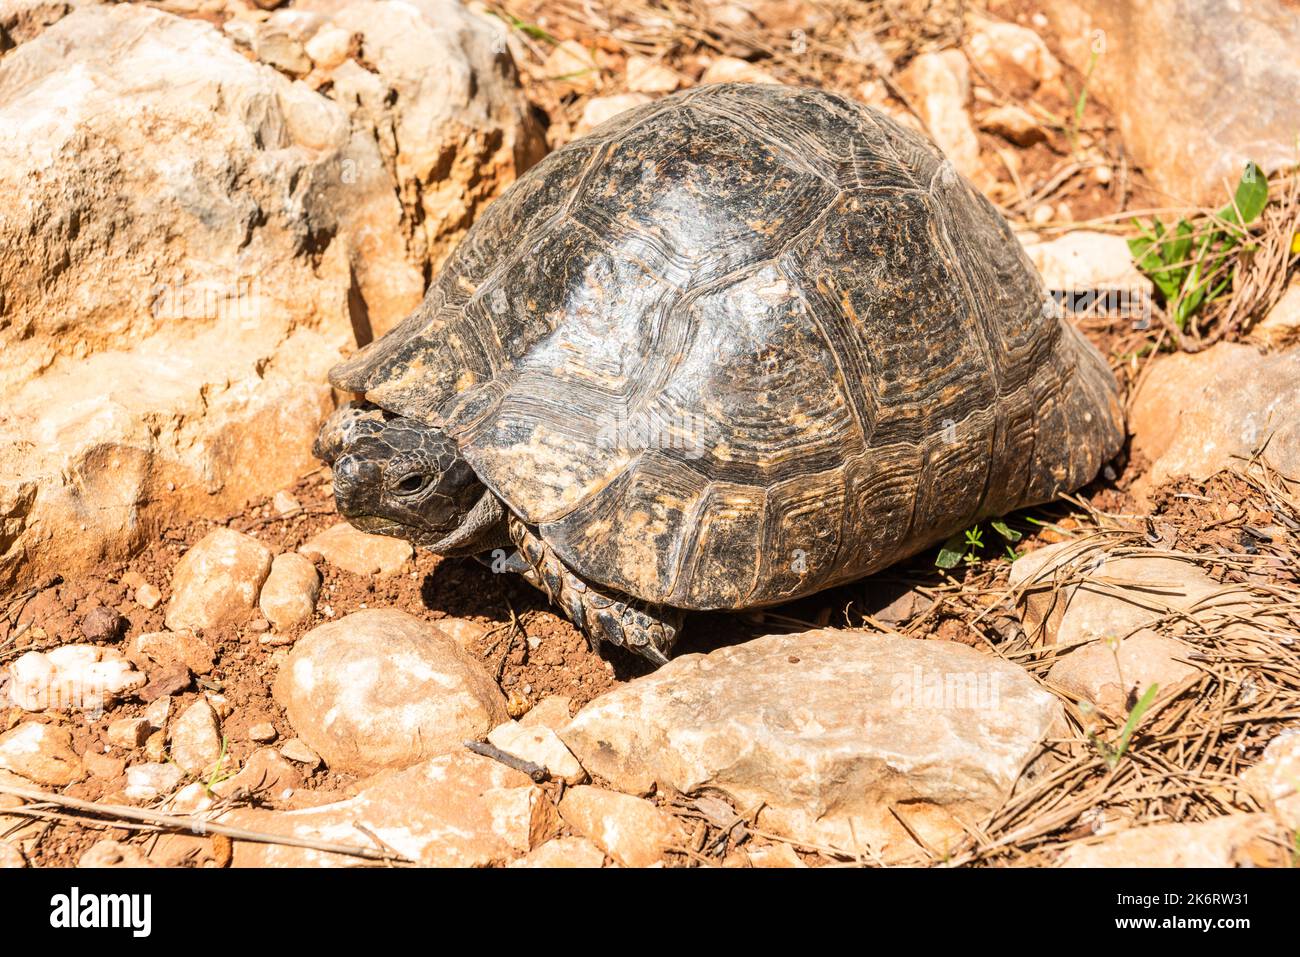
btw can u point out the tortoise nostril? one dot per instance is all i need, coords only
(354, 477)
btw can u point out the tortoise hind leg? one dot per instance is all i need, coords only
(648, 630)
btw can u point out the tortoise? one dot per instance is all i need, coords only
(736, 346)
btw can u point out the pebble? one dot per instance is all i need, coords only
(41, 753)
(263, 731)
(295, 749)
(288, 597)
(148, 596)
(354, 551)
(129, 733)
(85, 677)
(145, 783)
(629, 829)
(216, 582)
(103, 624)
(114, 854)
(196, 743)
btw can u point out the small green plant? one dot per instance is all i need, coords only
(1081, 103)
(966, 546)
(219, 770)
(1191, 262)
(1112, 754)
(528, 29)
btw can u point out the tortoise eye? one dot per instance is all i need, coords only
(412, 483)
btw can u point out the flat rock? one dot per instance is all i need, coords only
(455, 810)
(568, 852)
(355, 551)
(1237, 840)
(1196, 412)
(1085, 261)
(553, 711)
(196, 744)
(629, 829)
(540, 745)
(83, 677)
(289, 594)
(145, 783)
(382, 689)
(266, 773)
(1111, 675)
(829, 730)
(1077, 592)
(42, 753)
(216, 582)
(171, 647)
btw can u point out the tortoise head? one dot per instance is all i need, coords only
(396, 476)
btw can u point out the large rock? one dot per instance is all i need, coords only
(1196, 411)
(188, 239)
(216, 582)
(1234, 99)
(456, 810)
(382, 689)
(442, 94)
(829, 731)
(1237, 840)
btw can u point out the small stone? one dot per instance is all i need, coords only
(328, 47)
(540, 745)
(284, 503)
(220, 704)
(553, 711)
(1014, 125)
(600, 109)
(11, 856)
(217, 581)
(358, 692)
(563, 852)
(114, 854)
(196, 744)
(263, 731)
(572, 63)
(355, 551)
(170, 647)
(940, 86)
(730, 69)
(288, 597)
(166, 681)
(129, 733)
(1084, 260)
(103, 624)
(155, 748)
(1014, 58)
(146, 783)
(41, 753)
(148, 596)
(85, 677)
(774, 855)
(1274, 780)
(266, 772)
(629, 829)
(645, 75)
(157, 713)
(103, 766)
(296, 749)
(461, 630)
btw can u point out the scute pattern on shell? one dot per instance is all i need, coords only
(845, 337)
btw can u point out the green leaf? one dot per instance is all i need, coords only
(951, 552)
(1251, 196)
(1006, 531)
(1131, 724)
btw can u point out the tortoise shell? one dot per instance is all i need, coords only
(744, 343)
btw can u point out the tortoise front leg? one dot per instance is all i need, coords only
(649, 630)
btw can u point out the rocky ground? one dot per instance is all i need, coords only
(1112, 680)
